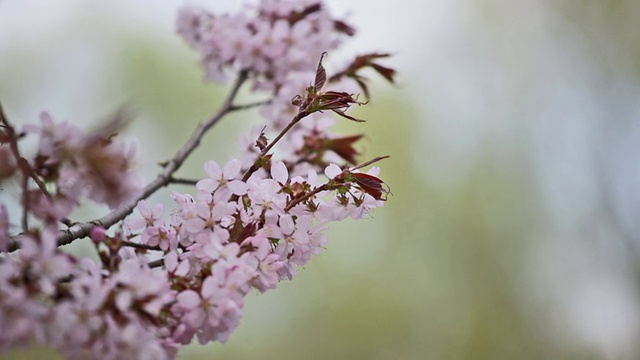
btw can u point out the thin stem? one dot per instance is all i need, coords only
(325, 187)
(306, 197)
(24, 168)
(181, 181)
(156, 263)
(82, 230)
(374, 160)
(301, 115)
(22, 162)
(251, 105)
(140, 246)
(25, 201)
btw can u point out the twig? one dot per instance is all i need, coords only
(181, 181)
(375, 160)
(21, 162)
(254, 167)
(156, 263)
(250, 105)
(309, 195)
(24, 168)
(325, 187)
(82, 230)
(140, 246)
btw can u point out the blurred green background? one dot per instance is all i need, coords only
(513, 229)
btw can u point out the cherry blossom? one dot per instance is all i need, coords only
(162, 278)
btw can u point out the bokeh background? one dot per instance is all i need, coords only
(514, 131)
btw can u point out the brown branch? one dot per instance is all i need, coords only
(156, 263)
(82, 230)
(250, 105)
(20, 161)
(325, 187)
(24, 166)
(306, 197)
(136, 245)
(181, 181)
(375, 160)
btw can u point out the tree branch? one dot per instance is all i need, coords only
(82, 230)
(182, 181)
(156, 263)
(250, 105)
(315, 191)
(22, 164)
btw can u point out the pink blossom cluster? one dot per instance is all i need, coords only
(161, 279)
(230, 246)
(50, 297)
(279, 43)
(272, 40)
(215, 250)
(238, 235)
(77, 306)
(80, 165)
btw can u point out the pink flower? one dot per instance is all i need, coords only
(203, 307)
(332, 171)
(220, 177)
(263, 39)
(160, 236)
(150, 216)
(44, 259)
(280, 173)
(266, 262)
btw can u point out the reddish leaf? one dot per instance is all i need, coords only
(343, 27)
(360, 63)
(297, 16)
(386, 72)
(370, 184)
(363, 85)
(321, 74)
(344, 147)
(341, 113)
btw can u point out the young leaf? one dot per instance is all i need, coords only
(371, 185)
(321, 74)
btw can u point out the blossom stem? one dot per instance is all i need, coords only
(372, 161)
(325, 187)
(315, 191)
(301, 115)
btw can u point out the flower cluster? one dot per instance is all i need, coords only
(165, 278)
(271, 40)
(278, 43)
(236, 235)
(80, 165)
(49, 297)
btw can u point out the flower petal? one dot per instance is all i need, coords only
(232, 169)
(213, 169)
(237, 187)
(332, 171)
(189, 299)
(279, 172)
